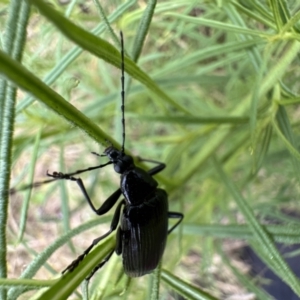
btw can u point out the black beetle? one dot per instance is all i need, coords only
(143, 230)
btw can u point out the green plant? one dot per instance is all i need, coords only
(213, 92)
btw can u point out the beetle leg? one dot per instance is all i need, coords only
(57, 176)
(107, 204)
(119, 237)
(113, 226)
(112, 199)
(160, 166)
(100, 265)
(175, 215)
(60, 175)
(68, 176)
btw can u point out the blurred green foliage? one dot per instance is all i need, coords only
(212, 90)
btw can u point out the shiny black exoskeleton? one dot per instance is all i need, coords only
(143, 222)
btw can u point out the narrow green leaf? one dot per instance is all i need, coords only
(220, 25)
(155, 282)
(65, 286)
(285, 131)
(27, 81)
(244, 279)
(71, 55)
(42, 257)
(280, 233)
(13, 43)
(25, 204)
(101, 48)
(30, 284)
(261, 234)
(206, 53)
(193, 120)
(252, 12)
(143, 29)
(185, 289)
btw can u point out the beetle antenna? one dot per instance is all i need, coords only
(122, 92)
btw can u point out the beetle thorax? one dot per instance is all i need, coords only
(121, 161)
(137, 186)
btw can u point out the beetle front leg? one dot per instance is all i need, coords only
(113, 226)
(107, 204)
(105, 207)
(60, 175)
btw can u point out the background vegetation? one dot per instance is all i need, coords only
(212, 89)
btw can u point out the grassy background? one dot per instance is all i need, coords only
(214, 95)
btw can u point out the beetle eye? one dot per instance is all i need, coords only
(114, 155)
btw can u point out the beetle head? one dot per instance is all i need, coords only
(121, 161)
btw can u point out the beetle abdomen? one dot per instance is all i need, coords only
(144, 230)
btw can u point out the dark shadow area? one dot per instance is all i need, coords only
(276, 287)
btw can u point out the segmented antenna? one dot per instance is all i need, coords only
(122, 92)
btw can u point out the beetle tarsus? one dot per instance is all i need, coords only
(99, 266)
(75, 263)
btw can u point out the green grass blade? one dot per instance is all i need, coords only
(280, 233)
(27, 81)
(42, 258)
(263, 237)
(155, 283)
(185, 289)
(13, 44)
(73, 54)
(143, 29)
(65, 286)
(244, 279)
(25, 204)
(102, 49)
(220, 25)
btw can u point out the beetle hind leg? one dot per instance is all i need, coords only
(175, 215)
(76, 262)
(100, 265)
(118, 250)
(113, 227)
